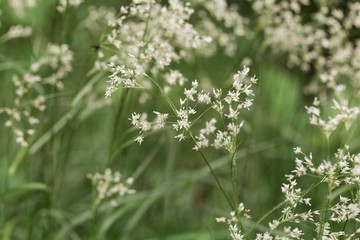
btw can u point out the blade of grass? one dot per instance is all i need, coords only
(8, 229)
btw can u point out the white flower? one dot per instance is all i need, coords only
(139, 139)
(297, 150)
(18, 31)
(110, 185)
(180, 137)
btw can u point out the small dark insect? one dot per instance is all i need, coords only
(96, 47)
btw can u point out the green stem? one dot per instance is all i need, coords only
(119, 116)
(234, 178)
(121, 107)
(233, 167)
(172, 106)
(264, 217)
(65, 22)
(4, 181)
(212, 172)
(146, 24)
(326, 203)
(327, 148)
(277, 207)
(323, 215)
(92, 224)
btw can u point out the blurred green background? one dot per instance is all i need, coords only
(45, 193)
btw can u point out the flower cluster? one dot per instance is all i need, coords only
(228, 107)
(19, 7)
(229, 25)
(152, 36)
(64, 4)
(21, 115)
(342, 170)
(124, 76)
(110, 186)
(233, 221)
(345, 114)
(141, 122)
(226, 110)
(322, 41)
(149, 38)
(59, 59)
(17, 31)
(229, 16)
(341, 173)
(98, 18)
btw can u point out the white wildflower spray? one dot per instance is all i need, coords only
(340, 177)
(220, 109)
(110, 186)
(21, 116)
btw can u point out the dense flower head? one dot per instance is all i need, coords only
(321, 41)
(233, 25)
(110, 186)
(149, 38)
(344, 114)
(20, 116)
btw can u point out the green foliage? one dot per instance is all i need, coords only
(44, 189)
